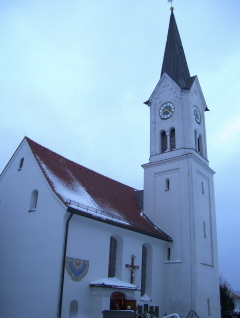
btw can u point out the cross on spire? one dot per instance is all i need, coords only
(133, 268)
(170, 1)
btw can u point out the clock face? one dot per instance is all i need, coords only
(197, 114)
(166, 110)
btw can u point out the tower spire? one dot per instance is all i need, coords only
(174, 61)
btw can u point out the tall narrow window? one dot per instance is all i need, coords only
(172, 139)
(204, 229)
(33, 201)
(168, 253)
(209, 308)
(202, 187)
(112, 257)
(73, 310)
(167, 188)
(163, 141)
(195, 140)
(144, 270)
(21, 164)
(199, 145)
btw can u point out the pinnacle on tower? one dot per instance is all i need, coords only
(174, 61)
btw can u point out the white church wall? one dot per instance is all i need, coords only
(89, 240)
(85, 241)
(31, 242)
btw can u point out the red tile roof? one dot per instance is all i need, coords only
(110, 201)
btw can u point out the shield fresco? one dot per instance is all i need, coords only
(76, 268)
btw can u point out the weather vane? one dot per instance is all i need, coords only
(170, 1)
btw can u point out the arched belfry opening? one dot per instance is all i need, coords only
(198, 143)
(163, 141)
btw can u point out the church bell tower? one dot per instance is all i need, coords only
(178, 185)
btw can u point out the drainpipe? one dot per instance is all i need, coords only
(63, 266)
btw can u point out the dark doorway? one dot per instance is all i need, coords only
(117, 301)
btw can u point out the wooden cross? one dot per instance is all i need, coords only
(133, 269)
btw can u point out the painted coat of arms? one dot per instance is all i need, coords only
(76, 268)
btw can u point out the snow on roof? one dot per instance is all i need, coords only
(71, 192)
(145, 297)
(113, 282)
(85, 190)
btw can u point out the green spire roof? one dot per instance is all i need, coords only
(174, 61)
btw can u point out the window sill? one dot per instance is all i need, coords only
(207, 264)
(32, 210)
(173, 262)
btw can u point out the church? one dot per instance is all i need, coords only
(75, 243)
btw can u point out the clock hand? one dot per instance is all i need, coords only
(166, 110)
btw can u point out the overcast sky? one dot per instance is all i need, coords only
(75, 73)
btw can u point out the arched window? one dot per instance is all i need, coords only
(73, 310)
(163, 141)
(168, 253)
(195, 140)
(112, 257)
(144, 270)
(21, 164)
(146, 274)
(172, 139)
(199, 144)
(33, 201)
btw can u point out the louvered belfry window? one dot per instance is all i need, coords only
(172, 139)
(144, 270)
(164, 141)
(112, 257)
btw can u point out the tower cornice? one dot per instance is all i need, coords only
(189, 154)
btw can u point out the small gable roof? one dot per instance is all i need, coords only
(113, 282)
(93, 195)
